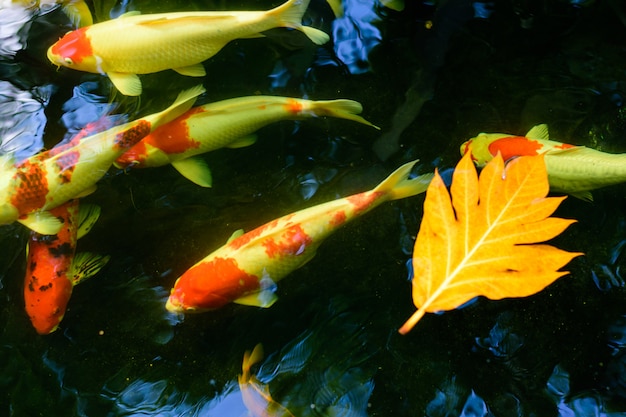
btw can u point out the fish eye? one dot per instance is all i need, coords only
(68, 61)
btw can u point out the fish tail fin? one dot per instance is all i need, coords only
(250, 358)
(342, 109)
(290, 14)
(85, 265)
(78, 12)
(398, 185)
(183, 102)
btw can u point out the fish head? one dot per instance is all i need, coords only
(479, 147)
(74, 51)
(211, 284)
(46, 304)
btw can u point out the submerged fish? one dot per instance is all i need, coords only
(228, 123)
(256, 395)
(29, 189)
(53, 267)
(246, 269)
(572, 169)
(141, 44)
(76, 10)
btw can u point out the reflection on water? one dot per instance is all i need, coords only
(22, 119)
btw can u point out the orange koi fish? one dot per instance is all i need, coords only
(256, 396)
(29, 189)
(246, 269)
(571, 169)
(141, 44)
(53, 268)
(228, 123)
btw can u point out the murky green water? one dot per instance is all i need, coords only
(331, 340)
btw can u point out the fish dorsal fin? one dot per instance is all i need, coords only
(86, 265)
(127, 84)
(539, 132)
(195, 170)
(571, 149)
(78, 12)
(243, 141)
(196, 70)
(129, 14)
(235, 235)
(42, 222)
(264, 298)
(87, 216)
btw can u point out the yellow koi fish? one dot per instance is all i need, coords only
(76, 10)
(141, 44)
(228, 123)
(256, 395)
(571, 169)
(246, 269)
(46, 180)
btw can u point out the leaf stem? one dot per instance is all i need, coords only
(412, 321)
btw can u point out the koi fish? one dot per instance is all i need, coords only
(227, 123)
(76, 10)
(255, 395)
(141, 44)
(29, 189)
(246, 269)
(572, 169)
(53, 268)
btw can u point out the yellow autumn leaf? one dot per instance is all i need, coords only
(481, 238)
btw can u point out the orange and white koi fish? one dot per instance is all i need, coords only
(141, 44)
(572, 169)
(29, 189)
(228, 123)
(246, 269)
(256, 395)
(53, 267)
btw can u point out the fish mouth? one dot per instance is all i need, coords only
(174, 306)
(54, 59)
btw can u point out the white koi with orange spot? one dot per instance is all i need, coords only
(46, 180)
(246, 269)
(572, 169)
(228, 123)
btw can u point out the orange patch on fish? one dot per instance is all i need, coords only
(294, 106)
(75, 46)
(228, 283)
(513, 146)
(133, 135)
(173, 137)
(31, 192)
(66, 164)
(338, 218)
(363, 201)
(293, 242)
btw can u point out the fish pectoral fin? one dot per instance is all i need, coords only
(196, 70)
(127, 84)
(86, 265)
(539, 132)
(264, 298)
(195, 170)
(235, 235)
(242, 142)
(582, 195)
(42, 222)
(87, 216)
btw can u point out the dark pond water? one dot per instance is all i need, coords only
(430, 76)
